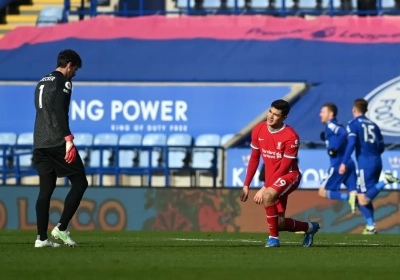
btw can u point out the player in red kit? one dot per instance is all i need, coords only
(278, 144)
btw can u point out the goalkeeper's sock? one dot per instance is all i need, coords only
(337, 195)
(374, 191)
(272, 219)
(293, 225)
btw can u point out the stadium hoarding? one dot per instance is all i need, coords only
(188, 209)
(194, 108)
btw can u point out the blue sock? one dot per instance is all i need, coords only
(368, 213)
(374, 191)
(337, 195)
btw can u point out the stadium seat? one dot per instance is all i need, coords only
(182, 4)
(202, 157)
(108, 156)
(336, 4)
(50, 16)
(305, 4)
(176, 156)
(25, 139)
(127, 157)
(225, 138)
(152, 139)
(83, 139)
(260, 4)
(211, 4)
(231, 4)
(7, 138)
(388, 4)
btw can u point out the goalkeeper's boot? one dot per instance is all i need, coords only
(309, 236)
(273, 242)
(45, 243)
(63, 236)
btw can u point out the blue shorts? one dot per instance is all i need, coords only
(368, 178)
(334, 180)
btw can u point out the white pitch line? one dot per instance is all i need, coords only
(259, 241)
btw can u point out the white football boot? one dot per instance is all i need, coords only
(64, 237)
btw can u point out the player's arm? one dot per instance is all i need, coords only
(351, 142)
(61, 108)
(254, 157)
(289, 156)
(333, 146)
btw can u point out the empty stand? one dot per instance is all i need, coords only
(103, 139)
(25, 139)
(178, 157)
(6, 139)
(157, 159)
(50, 16)
(129, 158)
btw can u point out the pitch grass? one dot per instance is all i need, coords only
(205, 256)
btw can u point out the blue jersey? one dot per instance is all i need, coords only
(336, 138)
(367, 140)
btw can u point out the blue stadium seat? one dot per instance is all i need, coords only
(336, 4)
(50, 16)
(176, 156)
(211, 4)
(7, 138)
(182, 4)
(388, 4)
(152, 139)
(305, 4)
(83, 139)
(225, 138)
(103, 139)
(202, 157)
(126, 157)
(240, 4)
(25, 139)
(260, 4)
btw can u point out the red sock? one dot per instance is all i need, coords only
(294, 225)
(272, 219)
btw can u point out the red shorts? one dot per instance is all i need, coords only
(285, 185)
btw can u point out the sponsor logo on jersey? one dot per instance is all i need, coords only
(383, 107)
(68, 85)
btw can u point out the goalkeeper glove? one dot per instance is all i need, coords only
(70, 154)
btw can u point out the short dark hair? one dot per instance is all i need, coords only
(67, 56)
(282, 105)
(331, 107)
(361, 105)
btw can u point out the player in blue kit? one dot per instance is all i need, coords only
(365, 137)
(335, 137)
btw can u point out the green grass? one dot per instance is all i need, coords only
(183, 255)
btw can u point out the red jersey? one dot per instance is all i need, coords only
(273, 147)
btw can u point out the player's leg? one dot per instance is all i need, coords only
(279, 193)
(270, 195)
(47, 184)
(288, 224)
(76, 174)
(79, 185)
(350, 181)
(331, 185)
(374, 191)
(365, 206)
